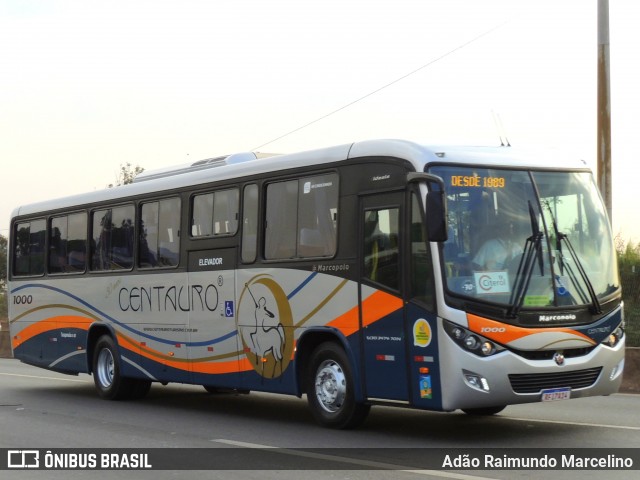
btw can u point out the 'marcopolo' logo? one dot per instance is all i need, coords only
(265, 324)
(557, 318)
(558, 357)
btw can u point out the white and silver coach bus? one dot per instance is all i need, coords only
(379, 272)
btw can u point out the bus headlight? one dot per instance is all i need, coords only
(476, 381)
(470, 341)
(487, 348)
(458, 333)
(613, 339)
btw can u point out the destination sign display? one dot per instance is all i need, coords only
(476, 181)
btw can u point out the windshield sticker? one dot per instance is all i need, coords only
(489, 283)
(536, 300)
(561, 290)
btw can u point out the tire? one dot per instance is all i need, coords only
(140, 388)
(330, 389)
(212, 390)
(484, 411)
(109, 382)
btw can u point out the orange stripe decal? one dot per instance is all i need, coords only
(198, 365)
(50, 325)
(378, 305)
(510, 334)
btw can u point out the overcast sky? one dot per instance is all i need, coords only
(86, 86)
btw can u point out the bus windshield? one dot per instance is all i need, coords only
(527, 239)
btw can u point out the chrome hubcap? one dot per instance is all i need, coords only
(104, 368)
(331, 386)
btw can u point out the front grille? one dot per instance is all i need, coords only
(548, 354)
(534, 382)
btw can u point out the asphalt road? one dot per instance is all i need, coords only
(42, 409)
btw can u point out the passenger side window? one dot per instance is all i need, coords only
(28, 253)
(282, 206)
(68, 243)
(301, 218)
(159, 244)
(250, 224)
(112, 238)
(215, 213)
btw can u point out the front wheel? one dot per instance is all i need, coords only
(330, 389)
(109, 382)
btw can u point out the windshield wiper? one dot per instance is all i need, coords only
(532, 250)
(560, 237)
(595, 304)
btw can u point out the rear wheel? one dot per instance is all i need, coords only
(330, 389)
(109, 382)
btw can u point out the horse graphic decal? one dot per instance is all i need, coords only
(265, 325)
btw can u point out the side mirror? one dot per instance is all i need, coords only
(436, 210)
(436, 214)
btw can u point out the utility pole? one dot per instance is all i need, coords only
(604, 108)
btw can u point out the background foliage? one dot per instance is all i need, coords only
(126, 174)
(629, 264)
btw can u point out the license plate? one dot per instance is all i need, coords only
(554, 394)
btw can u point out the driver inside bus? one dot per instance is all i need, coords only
(498, 252)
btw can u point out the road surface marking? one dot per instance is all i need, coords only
(353, 461)
(44, 378)
(581, 424)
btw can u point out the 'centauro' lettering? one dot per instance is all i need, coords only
(163, 299)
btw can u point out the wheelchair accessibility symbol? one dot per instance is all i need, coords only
(228, 309)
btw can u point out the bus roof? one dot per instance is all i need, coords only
(247, 164)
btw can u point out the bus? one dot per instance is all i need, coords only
(382, 272)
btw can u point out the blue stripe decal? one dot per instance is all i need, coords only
(123, 325)
(302, 285)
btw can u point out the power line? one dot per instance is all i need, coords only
(399, 79)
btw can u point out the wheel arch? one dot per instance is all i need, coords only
(308, 342)
(97, 330)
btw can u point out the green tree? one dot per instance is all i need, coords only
(127, 174)
(629, 265)
(4, 308)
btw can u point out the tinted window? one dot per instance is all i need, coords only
(68, 243)
(250, 224)
(29, 246)
(280, 234)
(301, 218)
(317, 216)
(422, 281)
(381, 236)
(215, 213)
(112, 238)
(159, 233)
